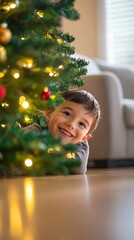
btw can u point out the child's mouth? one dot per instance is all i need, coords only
(65, 132)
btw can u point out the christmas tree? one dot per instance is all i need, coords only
(36, 64)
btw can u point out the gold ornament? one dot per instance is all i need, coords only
(2, 54)
(5, 35)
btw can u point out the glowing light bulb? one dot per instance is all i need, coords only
(25, 104)
(52, 97)
(16, 75)
(5, 104)
(21, 100)
(13, 5)
(60, 66)
(28, 162)
(40, 14)
(70, 155)
(57, 149)
(1, 74)
(3, 125)
(50, 150)
(27, 118)
(46, 89)
(23, 38)
(51, 74)
(59, 40)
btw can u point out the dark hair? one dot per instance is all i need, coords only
(87, 100)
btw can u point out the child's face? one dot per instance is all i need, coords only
(70, 121)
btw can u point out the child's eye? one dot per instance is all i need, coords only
(82, 124)
(67, 114)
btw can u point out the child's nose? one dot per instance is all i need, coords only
(71, 124)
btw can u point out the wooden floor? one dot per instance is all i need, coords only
(95, 206)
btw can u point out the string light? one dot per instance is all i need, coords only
(50, 150)
(13, 5)
(59, 40)
(27, 119)
(23, 38)
(46, 89)
(9, 7)
(52, 97)
(51, 74)
(26, 63)
(21, 100)
(25, 104)
(5, 104)
(60, 66)
(3, 125)
(48, 69)
(57, 149)
(40, 14)
(28, 162)
(16, 75)
(56, 74)
(2, 74)
(70, 155)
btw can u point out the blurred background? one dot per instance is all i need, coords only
(105, 30)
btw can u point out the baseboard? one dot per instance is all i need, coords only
(111, 163)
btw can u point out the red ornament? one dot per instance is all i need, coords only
(45, 95)
(2, 92)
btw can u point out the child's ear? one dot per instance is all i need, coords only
(86, 137)
(48, 114)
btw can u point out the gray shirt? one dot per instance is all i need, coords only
(82, 150)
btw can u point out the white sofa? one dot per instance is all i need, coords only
(112, 143)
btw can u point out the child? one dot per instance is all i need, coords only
(74, 120)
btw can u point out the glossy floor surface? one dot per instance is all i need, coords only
(95, 206)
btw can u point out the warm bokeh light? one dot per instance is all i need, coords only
(5, 104)
(27, 119)
(1, 74)
(13, 5)
(60, 66)
(52, 97)
(40, 14)
(15, 219)
(3, 125)
(46, 89)
(59, 40)
(26, 63)
(21, 100)
(51, 74)
(49, 150)
(25, 104)
(29, 196)
(70, 155)
(28, 162)
(16, 75)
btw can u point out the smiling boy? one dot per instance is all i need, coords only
(73, 121)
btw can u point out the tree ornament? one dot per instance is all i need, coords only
(2, 54)
(5, 35)
(2, 92)
(45, 95)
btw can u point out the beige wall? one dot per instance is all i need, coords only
(85, 29)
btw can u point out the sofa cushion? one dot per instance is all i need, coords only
(128, 105)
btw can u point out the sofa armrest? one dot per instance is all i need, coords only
(129, 112)
(124, 72)
(111, 131)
